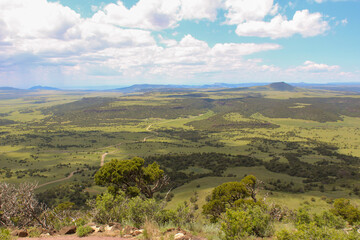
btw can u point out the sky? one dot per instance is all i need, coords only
(79, 43)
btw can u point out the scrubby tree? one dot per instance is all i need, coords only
(19, 207)
(132, 177)
(228, 195)
(241, 223)
(343, 208)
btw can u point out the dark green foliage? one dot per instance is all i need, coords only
(136, 211)
(316, 109)
(303, 217)
(343, 208)
(71, 192)
(92, 111)
(5, 234)
(240, 223)
(219, 123)
(66, 140)
(85, 103)
(181, 134)
(217, 163)
(323, 171)
(283, 186)
(328, 219)
(311, 231)
(325, 225)
(83, 231)
(4, 122)
(132, 177)
(228, 194)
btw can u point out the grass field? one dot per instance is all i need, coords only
(46, 135)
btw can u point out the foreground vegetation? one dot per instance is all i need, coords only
(233, 211)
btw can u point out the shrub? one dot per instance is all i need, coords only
(302, 217)
(227, 194)
(62, 215)
(83, 231)
(136, 211)
(5, 234)
(19, 206)
(311, 231)
(184, 215)
(151, 231)
(328, 219)
(343, 208)
(109, 208)
(253, 221)
(140, 210)
(80, 222)
(34, 232)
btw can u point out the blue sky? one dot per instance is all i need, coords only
(79, 43)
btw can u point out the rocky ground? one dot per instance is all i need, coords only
(113, 232)
(73, 237)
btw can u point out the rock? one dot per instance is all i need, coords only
(129, 230)
(102, 229)
(183, 236)
(137, 232)
(45, 235)
(116, 226)
(127, 236)
(95, 228)
(50, 231)
(108, 228)
(68, 230)
(178, 236)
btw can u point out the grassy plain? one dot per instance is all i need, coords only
(46, 135)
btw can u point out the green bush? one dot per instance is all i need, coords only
(80, 222)
(140, 210)
(135, 211)
(110, 208)
(328, 219)
(253, 221)
(227, 194)
(343, 208)
(34, 232)
(302, 217)
(83, 231)
(184, 215)
(311, 231)
(5, 234)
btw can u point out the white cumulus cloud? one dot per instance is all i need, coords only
(157, 14)
(304, 23)
(240, 11)
(36, 18)
(310, 66)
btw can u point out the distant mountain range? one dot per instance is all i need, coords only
(9, 89)
(162, 88)
(278, 86)
(43, 88)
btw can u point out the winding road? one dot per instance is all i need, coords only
(103, 159)
(58, 180)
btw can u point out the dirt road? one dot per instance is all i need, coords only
(58, 180)
(103, 159)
